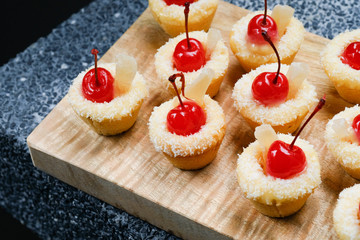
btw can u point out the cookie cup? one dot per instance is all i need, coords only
(172, 20)
(109, 118)
(218, 62)
(193, 151)
(346, 153)
(285, 117)
(288, 45)
(276, 197)
(345, 215)
(345, 79)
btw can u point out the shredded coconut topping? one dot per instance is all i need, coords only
(345, 152)
(117, 108)
(345, 215)
(288, 45)
(175, 13)
(218, 62)
(281, 114)
(257, 186)
(338, 72)
(176, 145)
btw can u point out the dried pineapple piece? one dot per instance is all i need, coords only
(213, 37)
(296, 74)
(282, 15)
(343, 130)
(126, 68)
(266, 135)
(196, 89)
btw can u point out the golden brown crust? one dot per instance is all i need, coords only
(108, 127)
(288, 127)
(197, 161)
(283, 209)
(171, 18)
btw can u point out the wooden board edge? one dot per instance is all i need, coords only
(122, 198)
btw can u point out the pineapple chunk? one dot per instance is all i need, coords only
(126, 68)
(266, 135)
(296, 74)
(343, 130)
(282, 15)
(196, 89)
(213, 37)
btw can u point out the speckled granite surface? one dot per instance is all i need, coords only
(37, 79)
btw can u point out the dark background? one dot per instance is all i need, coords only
(23, 22)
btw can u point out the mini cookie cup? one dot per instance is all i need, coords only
(193, 151)
(109, 118)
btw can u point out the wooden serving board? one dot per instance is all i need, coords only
(126, 171)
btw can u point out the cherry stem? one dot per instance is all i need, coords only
(268, 39)
(265, 13)
(186, 12)
(95, 52)
(172, 79)
(317, 108)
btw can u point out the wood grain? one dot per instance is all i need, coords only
(128, 173)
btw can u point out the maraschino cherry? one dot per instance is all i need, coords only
(97, 84)
(188, 117)
(270, 88)
(189, 54)
(287, 160)
(260, 23)
(351, 55)
(178, 2)
(356, 126)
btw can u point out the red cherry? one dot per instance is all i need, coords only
(188, 60)
(98, 92)
(189, 54)
(97, 84)
(283, 162)
(270, 88)
(256, 26)
(287, 160)
(351, 55)
(188, 117)
(356, 126)
(178, 2)
(266, 92)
